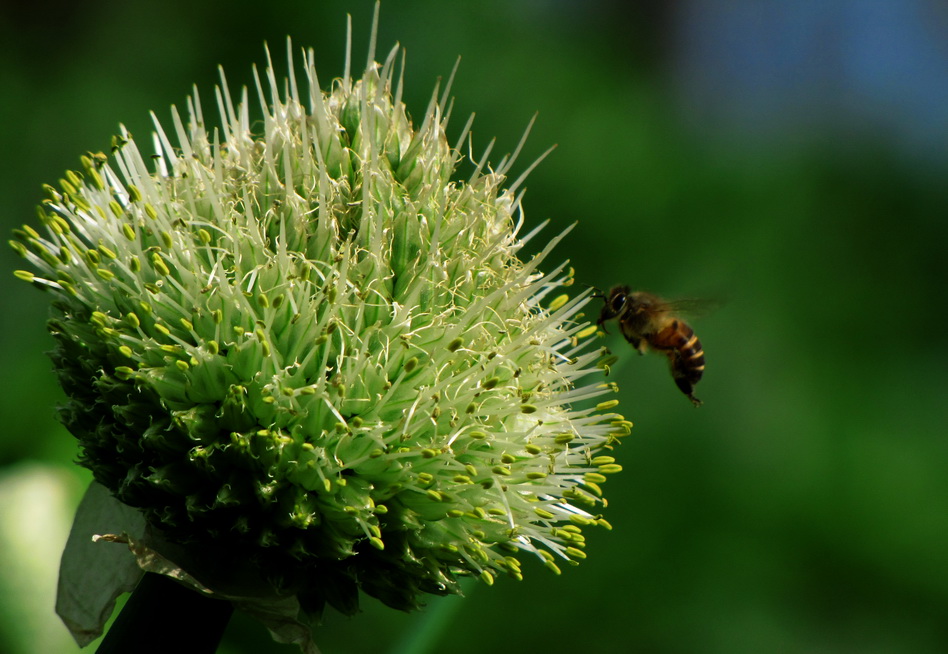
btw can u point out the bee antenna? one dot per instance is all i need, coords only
(598, 292)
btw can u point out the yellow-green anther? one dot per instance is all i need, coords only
(602, 460)
(500, 470)
(212, 347)
(92, 257)
(563, 439)
(182, 365)
(487, 577)
(428, 453)
(74, 178)
(558, 302)
(217, 316)
(528, 408)
(131, 318)
(97, 180)
(263, 300)
(491, 383)
(507, 458)
(124, 372)
(151, 212)
(553, 567)
(434, 495)
(533, 449)
(134, 194)
(60, 224)
(575, 552)
(377, 543)
(581, 520)
(128, 231)
(607, 362)
(608, 404)
(68, 188)
(109, 254)
(543, 513)
(116, 209)
(134, 264)
(186, 324)
(587, 332)
(593, 486)
(167, 239)
(159, 264)
(19, 247)
(536, 475)
(410, 364)
(454, 345)
(204, 236)
(162, 329)
(594, 478)
(610, 468)
(25, 275)
(126, 351)
(477, 435)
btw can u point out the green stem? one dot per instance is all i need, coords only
(163, 616)
(425, 634)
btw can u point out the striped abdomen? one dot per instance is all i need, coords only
(685, 354)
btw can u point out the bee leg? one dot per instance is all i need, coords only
(687, 388)
(638, 343)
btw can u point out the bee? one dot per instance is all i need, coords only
(648, 321)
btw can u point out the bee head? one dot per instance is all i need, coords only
(615, 304)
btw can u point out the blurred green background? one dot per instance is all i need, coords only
(787, 158)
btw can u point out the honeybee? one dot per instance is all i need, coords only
(648, 321)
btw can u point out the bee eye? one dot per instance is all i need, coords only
(618, 302)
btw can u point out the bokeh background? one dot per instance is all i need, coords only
(787, 160)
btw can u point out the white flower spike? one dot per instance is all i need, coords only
(305, 343)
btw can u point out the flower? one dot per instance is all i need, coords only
(314, 348)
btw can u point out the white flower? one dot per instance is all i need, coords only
(305, 342)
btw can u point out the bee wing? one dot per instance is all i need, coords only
(690, 307)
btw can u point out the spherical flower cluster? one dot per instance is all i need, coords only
(305, 342)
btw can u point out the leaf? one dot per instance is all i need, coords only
(92, 575)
